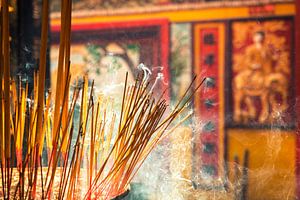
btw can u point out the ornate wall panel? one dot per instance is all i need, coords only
(209, 62)
(261, 71)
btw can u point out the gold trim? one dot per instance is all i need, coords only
(182, 14)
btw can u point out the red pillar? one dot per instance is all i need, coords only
(297, 86)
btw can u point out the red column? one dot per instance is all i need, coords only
(297, 85)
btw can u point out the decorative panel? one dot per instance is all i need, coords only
(209, 64)
(260, 74)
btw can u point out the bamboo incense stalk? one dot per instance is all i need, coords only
(40, 91)
(2, 132)
(42, 72)
(46, 125)
(6, 73)
(60, 72)
(67, 64)
(6, 94)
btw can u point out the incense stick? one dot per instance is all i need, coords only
(115, 142)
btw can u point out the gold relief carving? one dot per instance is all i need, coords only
(261, 70)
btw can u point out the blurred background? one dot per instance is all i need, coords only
(243, 141)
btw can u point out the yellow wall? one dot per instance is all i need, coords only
(271, 161)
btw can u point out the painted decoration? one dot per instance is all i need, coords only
(261, 73)
(122, 4)
(209, 64)
(175, 4)
(106, 65)
(104, 52)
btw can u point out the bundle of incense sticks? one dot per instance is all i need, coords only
(115, 143)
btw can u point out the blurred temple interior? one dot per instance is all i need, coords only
(243, 141)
